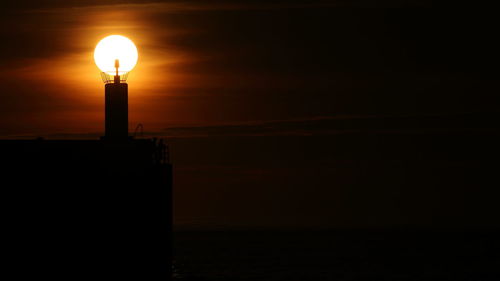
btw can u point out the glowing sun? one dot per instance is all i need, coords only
(112, 48)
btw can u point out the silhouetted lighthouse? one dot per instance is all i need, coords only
(116, 107)
(78, 209)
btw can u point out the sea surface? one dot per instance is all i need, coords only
(337, 255)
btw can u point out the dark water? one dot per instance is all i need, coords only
(337, 255)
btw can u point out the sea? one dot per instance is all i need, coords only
(337, 255)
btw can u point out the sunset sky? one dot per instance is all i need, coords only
(280, 77)
(231, 62)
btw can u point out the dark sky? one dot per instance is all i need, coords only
(253, 82)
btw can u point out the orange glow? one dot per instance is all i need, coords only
(70, 97)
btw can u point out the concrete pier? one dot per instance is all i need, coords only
(86, 209)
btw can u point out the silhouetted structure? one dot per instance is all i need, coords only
(86, 209)
(116, 106)
(116, 115)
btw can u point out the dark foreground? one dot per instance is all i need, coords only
(338, 255)
(85, 210)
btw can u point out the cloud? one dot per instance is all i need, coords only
(315, 127)
(190, 5)
(331, 125)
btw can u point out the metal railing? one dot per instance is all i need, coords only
(107, 78)
(162, 152)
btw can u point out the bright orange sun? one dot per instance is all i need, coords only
(112, 48)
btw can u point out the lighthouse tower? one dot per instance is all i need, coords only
(116, 106)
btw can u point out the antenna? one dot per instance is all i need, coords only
(117, 77)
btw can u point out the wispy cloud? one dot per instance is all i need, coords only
(187, 6)
(316, 126)
(331, 125)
